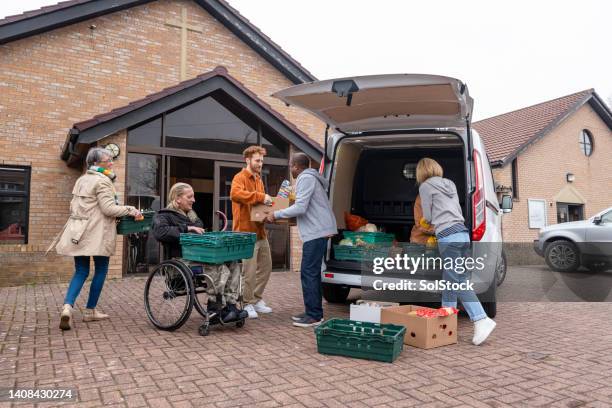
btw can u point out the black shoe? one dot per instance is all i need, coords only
(307, 321)
(299, 317)
(228, 314)
(242, 314)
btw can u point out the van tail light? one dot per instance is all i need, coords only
(322, 166)
(479, 213)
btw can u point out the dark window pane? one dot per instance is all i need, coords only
(207, 125)
(12, 179)
(143, 188)
(148, 134)
(143, 192)
(275, 146)
(14, 192)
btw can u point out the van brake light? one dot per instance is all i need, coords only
(479, 217)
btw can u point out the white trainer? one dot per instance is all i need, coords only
(66, 317)
(482, 330)
(92, 315)
(261, 307)
(251, 311)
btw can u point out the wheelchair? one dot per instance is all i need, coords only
(176, 286)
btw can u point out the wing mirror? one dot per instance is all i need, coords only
(597, 220)
(506, 204)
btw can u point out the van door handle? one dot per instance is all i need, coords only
(491, 206)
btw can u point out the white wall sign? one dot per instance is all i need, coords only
(537, 213)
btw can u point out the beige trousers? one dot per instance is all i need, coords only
(257, 272)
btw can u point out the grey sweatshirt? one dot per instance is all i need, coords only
(440, 203)
(315, 218)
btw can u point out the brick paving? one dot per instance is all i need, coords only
(542, 354)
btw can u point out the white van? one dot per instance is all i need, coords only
(383, 125)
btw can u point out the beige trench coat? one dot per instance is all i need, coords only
(91, 228)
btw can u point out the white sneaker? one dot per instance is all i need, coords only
(251, 311)
(482, 330)
(66, 317)
(93, 315)
(261, 307)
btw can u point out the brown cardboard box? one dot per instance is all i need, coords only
(422, 332)
(260, 211)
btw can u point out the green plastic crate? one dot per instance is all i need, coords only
(128, 225)
(370, 341)
(369, 237)
(218, 247)
(358, 253)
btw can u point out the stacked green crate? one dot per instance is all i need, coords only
(218, 247)
(370, 341)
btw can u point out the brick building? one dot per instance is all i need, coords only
(180, 86)
(556, 160)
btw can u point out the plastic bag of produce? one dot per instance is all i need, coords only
(353, 222)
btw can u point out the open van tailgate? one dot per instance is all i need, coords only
(384, 102)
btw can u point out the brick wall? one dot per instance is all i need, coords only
(542, 170)
(50, 81)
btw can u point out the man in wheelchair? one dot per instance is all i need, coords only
(178, 217)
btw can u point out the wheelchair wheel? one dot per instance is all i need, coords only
(169, 295)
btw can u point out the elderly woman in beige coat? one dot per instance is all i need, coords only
(91, 231)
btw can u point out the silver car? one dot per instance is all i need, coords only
(569, 245)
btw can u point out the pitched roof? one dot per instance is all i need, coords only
(72, 11)
(507, 135)
(100, 126)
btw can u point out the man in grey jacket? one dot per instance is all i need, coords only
(316, 223)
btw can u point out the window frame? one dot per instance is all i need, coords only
(514, 179)
(583, 143)
(25, 193)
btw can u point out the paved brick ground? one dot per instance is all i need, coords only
(542, 354)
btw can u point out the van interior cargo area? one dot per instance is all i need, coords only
(376, 179)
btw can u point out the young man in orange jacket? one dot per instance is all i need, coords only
(248, 190)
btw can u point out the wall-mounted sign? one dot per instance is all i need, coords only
(537, 213)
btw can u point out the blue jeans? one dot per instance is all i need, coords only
(456, 246)
(81, 264)
(312, 258)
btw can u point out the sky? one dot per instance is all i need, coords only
(511, 54)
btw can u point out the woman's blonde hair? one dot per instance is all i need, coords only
(427, 168)
(177, 190)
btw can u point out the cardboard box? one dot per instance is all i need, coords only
(368, 310)
(260, 211)
(422, 332)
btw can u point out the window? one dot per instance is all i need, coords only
(208, 125)
(607, 218)
(586, 142)
(14, 204)
(567, 212)
(147, 134)
(515, 185)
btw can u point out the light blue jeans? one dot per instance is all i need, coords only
(456, 246)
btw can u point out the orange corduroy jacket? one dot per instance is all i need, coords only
(247, 190)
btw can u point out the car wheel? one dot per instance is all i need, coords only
(490, 309)
(501, 269)
(562, 256)
(335, 293)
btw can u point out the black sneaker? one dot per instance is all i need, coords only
(240, 313)
(307, 321)
(299, 317)
(228, 315)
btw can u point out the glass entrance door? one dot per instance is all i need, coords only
(224, 174)
(272, 177)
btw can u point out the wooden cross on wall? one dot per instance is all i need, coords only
(185, 27)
